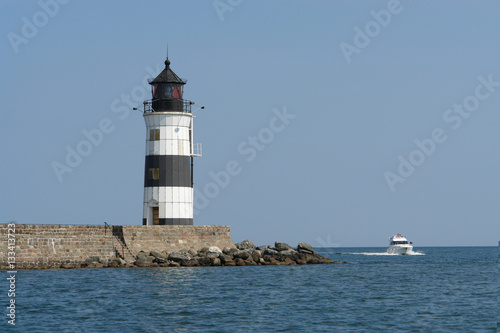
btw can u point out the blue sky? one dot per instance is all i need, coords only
(347, 122)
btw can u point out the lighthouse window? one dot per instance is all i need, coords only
(154, 135)
(154, 173)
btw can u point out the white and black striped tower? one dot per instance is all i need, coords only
(168, 174)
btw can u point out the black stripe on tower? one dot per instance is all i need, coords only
(176, 221)
(172, 221)
(174, 170)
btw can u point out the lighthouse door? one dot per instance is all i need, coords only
(156, 216)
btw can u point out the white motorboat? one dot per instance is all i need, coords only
(399, 245)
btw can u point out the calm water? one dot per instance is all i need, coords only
(443, 290)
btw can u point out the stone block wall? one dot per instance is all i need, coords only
(52, 245)
(176, 237)
(41, 246)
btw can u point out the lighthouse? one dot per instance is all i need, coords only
(168, 171)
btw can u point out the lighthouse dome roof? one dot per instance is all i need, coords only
(167, 76)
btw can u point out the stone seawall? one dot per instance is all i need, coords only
(50, 246)
(53, 245)
(176, 237)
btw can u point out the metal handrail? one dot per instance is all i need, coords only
(148, 105)
(106, 226)
(122, 243)
(124, 246)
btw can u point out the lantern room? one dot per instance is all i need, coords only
(166, 90)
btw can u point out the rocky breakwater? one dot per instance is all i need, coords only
(244, 254)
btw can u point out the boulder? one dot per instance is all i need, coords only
(305, 248)
(280, 246)
(312, 259)
(256, 255)
(192, 253)
(270, 252)
(250, 262)
(160, 260)
(226, 249)
(190, 263)
(216, 262)
(325, 260)
(242, 255)
(262, 247)
(231, 251)
(114, 263)
(272, 261)
(230, 263)
(204, 261)
(214, 251)
(240, 262)
(225, 259)
(245, 245)
(289, 252)
(144, 261)
(157, 254)
(140, 263)
(178, 256)
(141, 254)
(300, 258)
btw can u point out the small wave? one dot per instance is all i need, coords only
(412, 253)
(372, 253)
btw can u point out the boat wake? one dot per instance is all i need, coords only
(411, 253)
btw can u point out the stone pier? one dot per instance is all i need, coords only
(47, 246)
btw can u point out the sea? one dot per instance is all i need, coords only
(436, 289)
